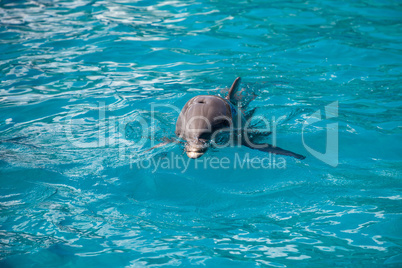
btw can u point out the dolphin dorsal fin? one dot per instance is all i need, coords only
(233, 88)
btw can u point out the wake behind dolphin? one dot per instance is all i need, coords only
(204, 117)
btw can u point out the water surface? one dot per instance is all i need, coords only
(77, 76)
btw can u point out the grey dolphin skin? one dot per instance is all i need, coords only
(203, 116)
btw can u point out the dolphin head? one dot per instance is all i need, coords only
(198, 135)
(199, 119)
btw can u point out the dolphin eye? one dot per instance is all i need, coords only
(205, 136)
(221, 124)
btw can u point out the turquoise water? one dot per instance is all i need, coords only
(78, 78)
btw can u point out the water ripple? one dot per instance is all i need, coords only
(76, 78)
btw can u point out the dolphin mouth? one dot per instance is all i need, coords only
(196, 150)
(194, 154)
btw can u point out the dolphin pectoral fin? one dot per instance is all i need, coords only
(166, 141)
(233, 88)
(248, 114)
(274, 150)
(253, 133)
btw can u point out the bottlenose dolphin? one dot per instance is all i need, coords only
(205, 116)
